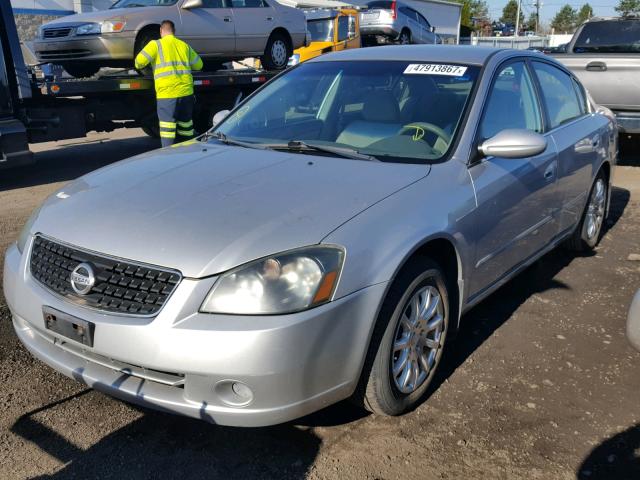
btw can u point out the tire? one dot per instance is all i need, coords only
(405, 38)
(143, 39)
(381, 391)
(277, 52)
(82, 70)
(588, 232)
(153, 132)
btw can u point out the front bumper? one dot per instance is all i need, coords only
(184, 362)
(116, 46)
(628, 122)
(633, 321)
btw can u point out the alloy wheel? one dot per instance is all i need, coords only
(595, 209)
(418, 338)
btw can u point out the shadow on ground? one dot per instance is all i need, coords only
(73, 160)
(617, 458)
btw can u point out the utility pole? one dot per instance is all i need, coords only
(518, 19)
(538, 5)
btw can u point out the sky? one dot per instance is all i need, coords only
(550, 7)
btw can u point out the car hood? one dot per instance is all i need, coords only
(206, 208)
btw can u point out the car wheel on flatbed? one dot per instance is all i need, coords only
(277, 52)
(587, 234)
(81, 70)
(407, 342)
(405, 37)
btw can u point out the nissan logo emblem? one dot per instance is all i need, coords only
(82, 279)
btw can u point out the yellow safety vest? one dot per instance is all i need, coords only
(172, 61)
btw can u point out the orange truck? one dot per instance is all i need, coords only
(329, 30)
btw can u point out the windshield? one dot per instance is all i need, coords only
(619, 36)
(142, 3)
(391, 110)
(321, 30)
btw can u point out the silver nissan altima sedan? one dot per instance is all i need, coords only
(321, 242)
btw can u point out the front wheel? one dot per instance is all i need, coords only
(589, 230)
(408, 340)
(277, 53)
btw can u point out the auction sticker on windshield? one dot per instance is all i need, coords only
(435, 69)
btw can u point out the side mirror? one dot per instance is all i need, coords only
(218, 117)
(514, 143)
(189, 4)
(432, 29)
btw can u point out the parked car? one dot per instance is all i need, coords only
(330, 30)
(389, 21)
(633, 321)
(219, 30)
(322, 242)
(603, 54)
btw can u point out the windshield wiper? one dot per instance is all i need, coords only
(346, 152)
(232, 141)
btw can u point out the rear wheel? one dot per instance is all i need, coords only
(405, 37)
(277, 53)
(589, 230)
(82, 70)
(408, 341)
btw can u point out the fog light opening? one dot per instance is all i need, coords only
(234, 393)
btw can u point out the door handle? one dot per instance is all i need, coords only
(270, 19)
(596, 67)
(227, 19)
(549, 173)
(595, 142)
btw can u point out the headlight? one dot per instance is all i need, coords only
(26, 230)
(88, 29)
(293, 60)
(283, 283)
(112, 26)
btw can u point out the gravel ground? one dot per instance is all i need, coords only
(541, 382)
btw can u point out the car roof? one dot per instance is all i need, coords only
(465, 54)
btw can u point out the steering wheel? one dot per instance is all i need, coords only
(419, 130)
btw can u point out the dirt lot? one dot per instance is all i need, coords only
(540, 384)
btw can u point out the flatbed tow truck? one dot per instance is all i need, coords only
(35, 107)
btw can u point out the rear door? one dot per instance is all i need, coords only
(210, 29)
(411, 21)
(517, 199)
(581, 138)
(425, 30)
(255, 20)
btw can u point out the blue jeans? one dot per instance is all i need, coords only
(175, 116)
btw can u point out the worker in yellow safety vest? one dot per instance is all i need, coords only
(172, 61)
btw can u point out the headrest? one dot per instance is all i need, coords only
(380, 106)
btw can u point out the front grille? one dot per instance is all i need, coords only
(56, 32)
(120, 286)
(63, 54)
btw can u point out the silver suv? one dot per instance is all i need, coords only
(388, 21)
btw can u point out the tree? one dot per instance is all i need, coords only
(627, 7)
(585, 13)
(565, 20)
(510, 11)
(530, 24)
(474, 13)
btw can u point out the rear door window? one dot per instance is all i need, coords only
(559, 94)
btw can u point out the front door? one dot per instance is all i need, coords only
(254, 22)
(210, 29)
(518, 199)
